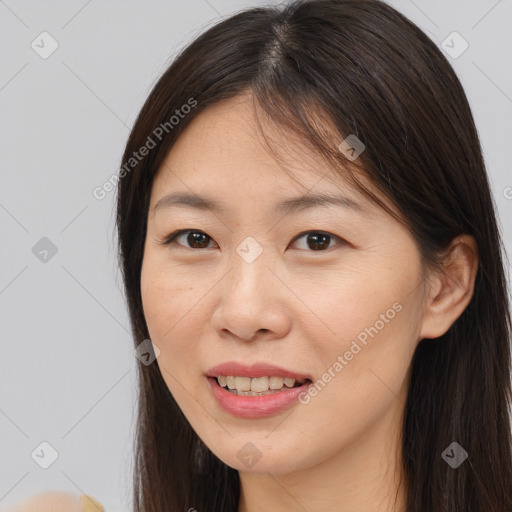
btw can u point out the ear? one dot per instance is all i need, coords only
(450, 291)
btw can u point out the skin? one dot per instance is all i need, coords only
(294, 306)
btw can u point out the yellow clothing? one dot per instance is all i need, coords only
(89, 504)
(54, 501)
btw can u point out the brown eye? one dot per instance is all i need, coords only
(193, 239)
(317, 240)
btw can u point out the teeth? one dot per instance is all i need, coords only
(257, 385)
(289, 382)
(243, 383)
(230, 381)
(276, 382)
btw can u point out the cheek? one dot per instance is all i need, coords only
(170, 306)
(172, 313)
(360, 301)
(362, 383)
(365, 336)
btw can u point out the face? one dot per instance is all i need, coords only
(330, 291)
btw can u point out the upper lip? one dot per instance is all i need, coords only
(254, 370)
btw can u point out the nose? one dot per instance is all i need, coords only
(252, 302)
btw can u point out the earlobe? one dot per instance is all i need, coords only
(452, 289)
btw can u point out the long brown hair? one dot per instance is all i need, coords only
(376, 75)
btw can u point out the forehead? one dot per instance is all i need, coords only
(224, 143)
(225, 138)
(222, 154)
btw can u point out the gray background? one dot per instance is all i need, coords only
(67, 369)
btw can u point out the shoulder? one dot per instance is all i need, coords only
(59, 502)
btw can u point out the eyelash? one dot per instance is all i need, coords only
(171, 239)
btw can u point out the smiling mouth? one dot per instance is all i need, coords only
(258, 386)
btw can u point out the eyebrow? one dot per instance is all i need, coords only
(293, 204)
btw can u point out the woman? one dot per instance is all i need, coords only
(314, 275)
(304, 217)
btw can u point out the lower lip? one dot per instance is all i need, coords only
(255, 406)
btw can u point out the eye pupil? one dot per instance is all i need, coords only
(194, 238)
(319, 241)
